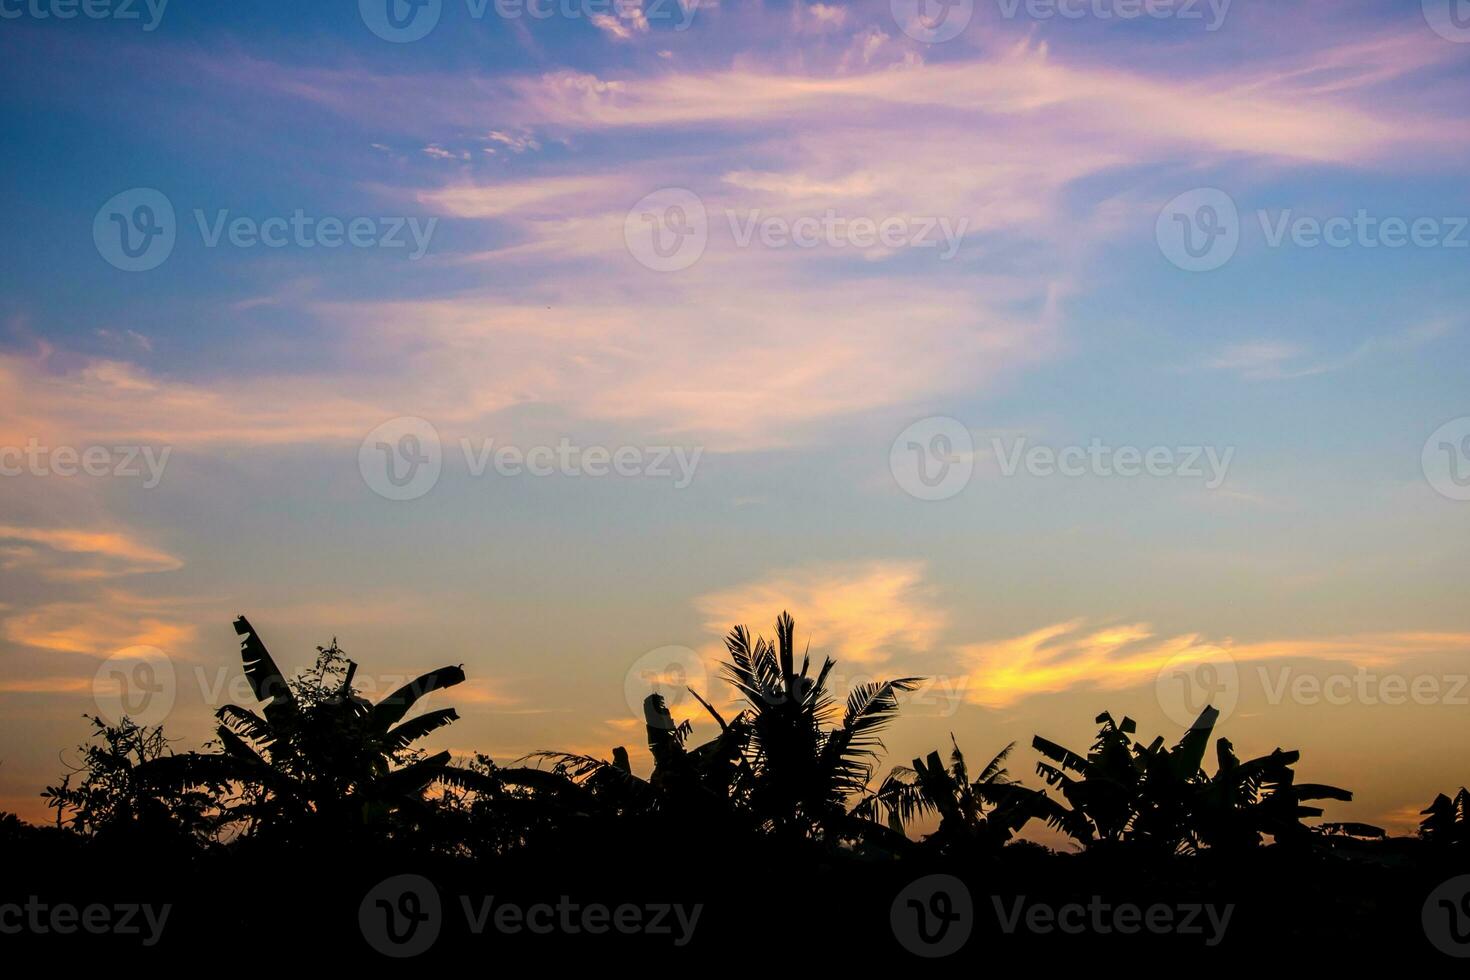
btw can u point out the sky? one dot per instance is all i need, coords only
(1100, 355)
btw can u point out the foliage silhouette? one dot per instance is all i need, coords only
(318, 780)
(318, 759)
(1447, 821)
(1160, 799)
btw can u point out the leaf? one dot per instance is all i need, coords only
(264, 676)
(412, 778)
(390, 710)
(414, 729)
(1065, 757)
(246, 722)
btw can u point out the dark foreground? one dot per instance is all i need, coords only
(697, 904)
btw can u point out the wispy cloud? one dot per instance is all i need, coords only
(862, 613)
(90, 553)
(1068, 655)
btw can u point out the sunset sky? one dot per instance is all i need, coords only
(782, 406)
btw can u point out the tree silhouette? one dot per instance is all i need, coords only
(1160, 799)
(316, 776)
(318, 759)
(978, 816)
(117, 797)
(1447, 821)
(799, 773)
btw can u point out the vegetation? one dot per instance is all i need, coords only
(316, 776)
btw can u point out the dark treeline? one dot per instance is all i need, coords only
(779, 829)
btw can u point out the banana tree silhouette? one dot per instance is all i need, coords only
(974, 816)
(699, 781)
(798, 772)
(1161, 799)
(689, 784)
(1447, 821)
(786, 764)
(1102, 798)
(1245, 801)
(325, 758)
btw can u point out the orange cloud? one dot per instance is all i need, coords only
(96, 628)
(1065, 655)
(857, 613)
(110, 552)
